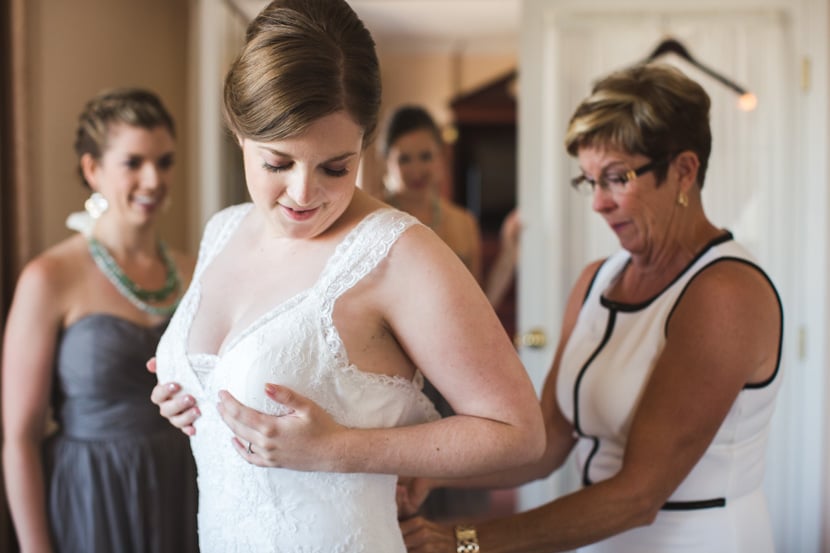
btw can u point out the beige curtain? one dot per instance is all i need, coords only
(15, 237)
(16, 240)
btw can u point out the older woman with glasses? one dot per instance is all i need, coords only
(665, 377)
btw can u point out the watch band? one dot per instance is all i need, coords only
(466, 539)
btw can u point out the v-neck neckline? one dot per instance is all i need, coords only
(195, 294)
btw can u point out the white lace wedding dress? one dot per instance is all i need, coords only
(244, 508)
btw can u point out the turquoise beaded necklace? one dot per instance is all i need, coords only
(137, 295)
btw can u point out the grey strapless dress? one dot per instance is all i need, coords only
(120, 478)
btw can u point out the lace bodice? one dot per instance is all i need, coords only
(254, 509)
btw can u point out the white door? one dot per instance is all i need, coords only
(756, 186)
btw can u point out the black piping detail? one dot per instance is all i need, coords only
(609, 328)
(612, 315)
(767, 382)
(751, 385)
(631, 307)
(670, 505)
(593, 279)
(693, 505)
(586, 480)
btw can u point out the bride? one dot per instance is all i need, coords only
(296, 358)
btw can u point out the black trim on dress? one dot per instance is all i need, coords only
(631, 307)
(609, 329)
(751, 385)
(693, 505)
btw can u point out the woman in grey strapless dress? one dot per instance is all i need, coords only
(121, 478)
(111, 475)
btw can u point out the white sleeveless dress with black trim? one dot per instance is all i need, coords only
(244, 508)
(720, 506)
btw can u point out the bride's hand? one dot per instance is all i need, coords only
(304, 438)
(178, 408)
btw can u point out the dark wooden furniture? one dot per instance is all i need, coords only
(484, 166)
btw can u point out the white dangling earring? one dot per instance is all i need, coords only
(96, 205)
(83, 221)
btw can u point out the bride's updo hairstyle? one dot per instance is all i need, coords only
(303, 60)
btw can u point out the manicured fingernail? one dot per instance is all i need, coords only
(172, 386)
(270, 389)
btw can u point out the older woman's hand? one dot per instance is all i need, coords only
(303, 438)
(178, 408)
(410, 494)
(423, 536)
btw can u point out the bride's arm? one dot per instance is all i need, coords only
(447, 327)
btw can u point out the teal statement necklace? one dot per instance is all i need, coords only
(138, 296)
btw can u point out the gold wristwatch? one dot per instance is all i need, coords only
(466, 540)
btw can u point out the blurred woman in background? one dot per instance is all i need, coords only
(415, 168)
(86, 315)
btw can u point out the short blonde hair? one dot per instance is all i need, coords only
(653, 110)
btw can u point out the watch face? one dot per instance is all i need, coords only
(465, 534)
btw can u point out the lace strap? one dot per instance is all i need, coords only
(217, 231)
(362, 250)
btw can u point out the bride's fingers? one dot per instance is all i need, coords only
(163, 392)
(253, 453)
(176, 406)
(243, 421)
(286, 397)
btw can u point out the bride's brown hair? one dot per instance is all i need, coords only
(303, 60)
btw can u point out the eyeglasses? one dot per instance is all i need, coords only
(616, 183)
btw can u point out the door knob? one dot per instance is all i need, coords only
(535, 338)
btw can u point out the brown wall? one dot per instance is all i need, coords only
(76, 48)
(68, 51)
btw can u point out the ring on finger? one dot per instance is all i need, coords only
(249, 450)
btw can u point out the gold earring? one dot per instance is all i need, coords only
(682, 199)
